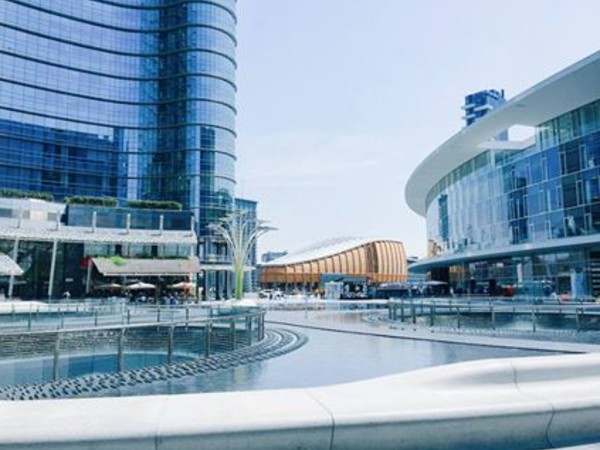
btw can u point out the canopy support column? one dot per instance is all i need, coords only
(52, 269)
(88, 276)
(15, 255)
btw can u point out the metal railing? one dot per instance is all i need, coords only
(452, 313)
(184, 337)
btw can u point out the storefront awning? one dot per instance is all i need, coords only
(8, 266)
(116, 266)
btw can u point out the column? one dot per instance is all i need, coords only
(15, 255)
(52, 269)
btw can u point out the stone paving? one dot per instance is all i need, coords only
(277, 342)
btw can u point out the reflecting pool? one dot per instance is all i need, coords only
(328, 358)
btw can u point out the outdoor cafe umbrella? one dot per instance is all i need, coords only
(140, 285)
(108, 286)
(183, 285)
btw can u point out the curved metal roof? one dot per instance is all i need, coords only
(323, 249)
(569, 89)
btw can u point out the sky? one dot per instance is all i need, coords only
(340, 100)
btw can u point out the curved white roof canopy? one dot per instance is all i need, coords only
(567, 90)
(322, 249)
(46, 231)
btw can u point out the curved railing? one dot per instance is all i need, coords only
(452, 313)
(163, 332)
(580, 315)
(527, 403)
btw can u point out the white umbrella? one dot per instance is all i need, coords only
(140, 285)
(108, 286)
(183, 285)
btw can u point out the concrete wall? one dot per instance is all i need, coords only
(521, 403)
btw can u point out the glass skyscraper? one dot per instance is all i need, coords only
(133, 99)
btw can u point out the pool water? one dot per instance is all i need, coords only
(40, 370)
(328, 358)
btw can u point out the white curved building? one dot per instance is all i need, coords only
(373, 260)
(519, 216)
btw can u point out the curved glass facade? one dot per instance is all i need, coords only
(547, 192)
(121, 98)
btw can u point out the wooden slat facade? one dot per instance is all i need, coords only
(382, 261)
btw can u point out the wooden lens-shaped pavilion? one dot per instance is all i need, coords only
(376, 260)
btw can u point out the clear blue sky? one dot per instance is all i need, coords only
(339, 100)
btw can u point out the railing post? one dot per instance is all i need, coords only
(232, 332)
(55, 362)
(533, 320)
(170, 344)
(431, 314)
(120, 365)
(207, 343)
(260, 324)
(158, 315)
(413, 312)
(95, 318)
(402, 310)
(577, 320)
(458, 324)
(249, 329)
(187, 317)
(493, 316)
(128, 316)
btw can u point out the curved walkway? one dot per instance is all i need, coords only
(350, 322)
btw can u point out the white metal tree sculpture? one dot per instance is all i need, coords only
(240, 230)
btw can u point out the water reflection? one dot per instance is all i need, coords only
(329, 358)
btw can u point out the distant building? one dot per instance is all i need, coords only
(478, 104)
(414, 277)
(481, 103)
(270, 256)
(355, 262)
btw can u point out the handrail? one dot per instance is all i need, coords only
(166, 323)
